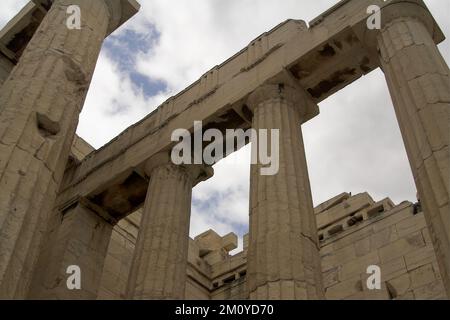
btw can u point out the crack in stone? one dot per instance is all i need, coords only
(311, 239)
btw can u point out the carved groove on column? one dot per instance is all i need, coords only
(159, 264)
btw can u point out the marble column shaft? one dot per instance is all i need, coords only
(283, 256)
(39, 107)
(158, 270)
(419, 83)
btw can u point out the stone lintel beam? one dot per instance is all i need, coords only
(102, 213)
(290, 45)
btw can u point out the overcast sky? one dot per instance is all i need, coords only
(354, 145)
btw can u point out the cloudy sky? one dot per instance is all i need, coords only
(354, 145)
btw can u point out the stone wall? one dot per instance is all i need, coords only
(364, 233)
(396, 239)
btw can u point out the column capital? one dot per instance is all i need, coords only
(284, 91)
(121, 11)
(400, 10)
(197, 172)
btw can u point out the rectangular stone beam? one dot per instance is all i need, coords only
(323, 58)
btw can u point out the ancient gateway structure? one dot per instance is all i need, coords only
(65, 205)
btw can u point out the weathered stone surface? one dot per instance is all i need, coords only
(345, 289)
(419, 82)
(36, 140)
(158, 270)
(80, 240)
(40, 102)
(401, 247)
(283, 252)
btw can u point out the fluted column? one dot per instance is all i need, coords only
(158, 270)
(81, 239)
(283, 256)
(39, 107)
(419, 83)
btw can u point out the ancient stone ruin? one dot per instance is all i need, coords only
(121, 213)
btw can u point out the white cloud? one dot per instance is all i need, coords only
(113, 104)
(195, 36)
(9, 8)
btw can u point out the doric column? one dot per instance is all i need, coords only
(39, 107)
(80, 240)
(158, 270)
(283, 256)
(419, 83)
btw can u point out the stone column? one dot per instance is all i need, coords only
(158, 270)
(283, 256)
(81, 240)
(419, 83)
(39, 107)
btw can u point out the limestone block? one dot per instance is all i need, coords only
(401, 247)
(393, 269)
(332, 202)
(422, 276)
(358, 266)
(344, 209)
(330, 277)
(338, 257)
(431, 291)
(215, 257)
(210, 241)
(353, 237)
(411, 225)
(384, 237)
(344, 289)
(363, 247)
(420, 257)
(394, 218)
(400, 285)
